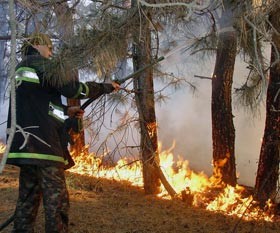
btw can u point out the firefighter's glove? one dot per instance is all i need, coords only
(98, 89)
(116, 86)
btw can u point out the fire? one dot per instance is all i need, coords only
(88, 164)
(194, 188)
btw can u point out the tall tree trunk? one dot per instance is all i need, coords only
(146, 108)
(223, 132)
(268, 167)
(66, 30)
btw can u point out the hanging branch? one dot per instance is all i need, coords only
(192, 5)
(12, 83)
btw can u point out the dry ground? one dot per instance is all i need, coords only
(104, 206)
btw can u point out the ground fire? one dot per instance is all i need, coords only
(194, 189)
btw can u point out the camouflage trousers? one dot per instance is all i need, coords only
(37, 182)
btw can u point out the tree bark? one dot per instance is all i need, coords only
(223, 132)
(144, 97)
(148, 126)
(268, 167)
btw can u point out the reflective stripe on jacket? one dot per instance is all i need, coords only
(40, 114)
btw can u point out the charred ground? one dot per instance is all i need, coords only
(108, 206)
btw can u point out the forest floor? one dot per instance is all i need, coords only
(107, 206)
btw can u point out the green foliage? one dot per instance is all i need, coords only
(253, 31)
(96, 50)
(250, 94)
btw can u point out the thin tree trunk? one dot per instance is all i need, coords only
(268, 167)
(144, 86)
(144, 97)
(12, 67)
(223, 132)
(146, 109)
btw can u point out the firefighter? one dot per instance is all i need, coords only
(39, 145)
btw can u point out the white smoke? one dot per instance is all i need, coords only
(186, 119)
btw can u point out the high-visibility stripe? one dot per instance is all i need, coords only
(82, 91)
(57, 112)
(86, 90)
(37, 156)
(27, 74)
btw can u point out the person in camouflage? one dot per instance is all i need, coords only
(48, 182)
(39, 148)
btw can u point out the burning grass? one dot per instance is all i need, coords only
(195, 189)
(103, 200)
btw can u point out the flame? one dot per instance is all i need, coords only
(194, 188)
(88, 164)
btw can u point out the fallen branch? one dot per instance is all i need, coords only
(165, 183)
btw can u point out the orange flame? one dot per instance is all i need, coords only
(196, 188)
(90, 165)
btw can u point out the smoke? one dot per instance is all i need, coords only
(186, 119)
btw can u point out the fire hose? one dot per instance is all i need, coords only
(120, 81)
(74, 122)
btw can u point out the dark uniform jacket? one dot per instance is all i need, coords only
(40, 137)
